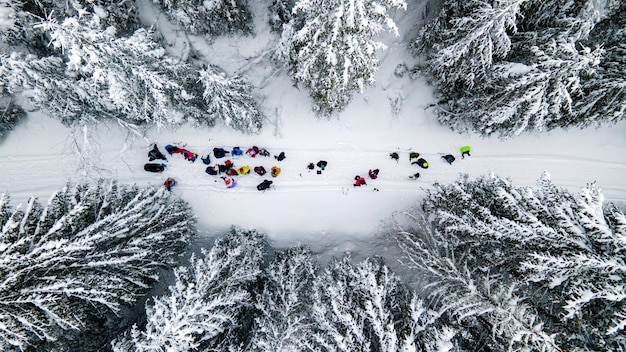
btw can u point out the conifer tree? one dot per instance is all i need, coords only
(129, 77)
(10, 115)
(365, 307)
(79, 262)
(284, 303)
(549, 259)
(230, 99)
(210, 17)
(511, 66)
(280, 13)
(207, 306)
(330, 47)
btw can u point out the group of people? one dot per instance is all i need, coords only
(155, 154)
(230, 171)
(421, 162)
(227, 170)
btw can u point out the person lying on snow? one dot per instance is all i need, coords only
(155, 153)
(253, 151)
(211, 170)
(219, 152)
(311, 166)
(415, 176)
(373, 174)
(275, 171)
(359, 181)
(448, 158)
(172, 149)
(227, 165)
(206, 160)
(232, 172)
(150, 167)
(280, 157)
(413, 155)
(244, 170)
(322, 164)
(229, 182)
(169, 183)
(260, 170)
(189, 155)
(421, 163)
(236, 152)
(264, 185)
(394, 156)
(264, 152)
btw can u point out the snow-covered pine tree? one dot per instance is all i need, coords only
(41, 81)
(604, 93)
(209, 17)
(121, 14)
(365, 307)
(487, 228)
(9, 22)
(487, 308)
(10, 115)
(207, 306)
(331, 48)
(464, 41)
(130, 78)
(230, 99)
(284, 303)
(589, 282)
(513, 66)
(538, 97)
(71, 268)
(280, 14)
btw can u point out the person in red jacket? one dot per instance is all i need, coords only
(169, 183)
(359, 181)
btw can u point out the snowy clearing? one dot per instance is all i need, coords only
(324, 211)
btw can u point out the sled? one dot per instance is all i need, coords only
(154, 167)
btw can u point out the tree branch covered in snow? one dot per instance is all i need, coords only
(540, 266)
(230, 99)
(208, 302)
(209, 17)
(512, 66)
(91, 252)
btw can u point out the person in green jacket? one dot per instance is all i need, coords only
(465, 151)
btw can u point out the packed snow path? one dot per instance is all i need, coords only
(325, 210)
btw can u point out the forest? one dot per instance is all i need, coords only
(500, 267)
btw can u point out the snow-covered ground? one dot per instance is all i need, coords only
(324, 211)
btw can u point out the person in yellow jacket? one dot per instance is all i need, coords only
(275, 171)
(244, 170)
(465, 150)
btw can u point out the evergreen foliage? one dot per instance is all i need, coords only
(210, 17)
(280, 14)
(230, 99)
(538, 267)
(511, 66)
(79, 262)
(284, 311)
(207, 306)
(330, 47)
(10, 115)
(230, 301)
(365, 307)
(130, 77)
